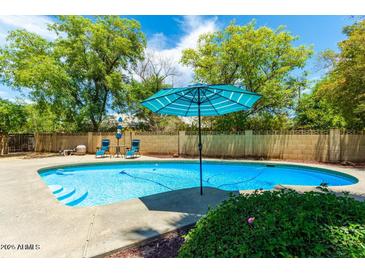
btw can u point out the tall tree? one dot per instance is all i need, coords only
(82, 72)
(151, 75)
(261, 59)
(344, 85)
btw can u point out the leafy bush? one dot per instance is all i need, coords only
(280, 224)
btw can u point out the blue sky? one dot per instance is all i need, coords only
(169, 35)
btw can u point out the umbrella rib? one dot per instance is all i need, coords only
(191, 102)
(187, 98)
(232, 100)
(173, 101)
(240, 92)
(211, 86)
(205, 93)
(161, 96)
(182, 95)
(212, 97)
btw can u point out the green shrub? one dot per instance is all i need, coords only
(286, 224)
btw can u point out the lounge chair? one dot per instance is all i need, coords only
(104, 150)
(133, 152)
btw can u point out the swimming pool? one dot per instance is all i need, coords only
(100, 184)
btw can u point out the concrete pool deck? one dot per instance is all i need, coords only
(30, 213)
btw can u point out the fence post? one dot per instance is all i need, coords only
(3, 144)
(36, 142)
(54, 143)
(334, 145)
(89, 142)
(180, 142)
(248, 142)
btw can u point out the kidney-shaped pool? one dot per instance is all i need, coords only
(100, 184)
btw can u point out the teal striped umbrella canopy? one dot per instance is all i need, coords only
(201, 100)
(212, 100)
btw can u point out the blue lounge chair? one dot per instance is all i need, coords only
(134, 150)
(105, 143)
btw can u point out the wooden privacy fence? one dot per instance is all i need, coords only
(308, 145)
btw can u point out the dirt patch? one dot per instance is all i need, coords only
(165, 246)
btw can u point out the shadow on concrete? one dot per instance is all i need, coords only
(186, 200)
(147, 232)
(150, 232)
(187, 203)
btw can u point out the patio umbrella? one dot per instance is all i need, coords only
(201, 100)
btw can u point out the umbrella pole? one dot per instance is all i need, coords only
(200, 146)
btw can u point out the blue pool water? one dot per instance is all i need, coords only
(90, 185)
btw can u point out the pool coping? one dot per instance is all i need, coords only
(91, 231)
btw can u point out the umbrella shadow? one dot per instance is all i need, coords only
(186, 200)
(187, 203)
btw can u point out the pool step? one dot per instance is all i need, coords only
(65, 193)
(56, 188)
(69, 195)
(76, 198)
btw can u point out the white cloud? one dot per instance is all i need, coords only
(36, 24)
(157, 41)
(192, 27)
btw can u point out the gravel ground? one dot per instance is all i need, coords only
(165, 246)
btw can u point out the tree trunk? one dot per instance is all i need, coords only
(94, 123)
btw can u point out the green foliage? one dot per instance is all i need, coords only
(286, 224)
(43, 119)
(314, 112)
(13, 117)
(343, 86)
(80, 73)
(261, 59)
(17, 117)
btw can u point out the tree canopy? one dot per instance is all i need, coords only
(260, 59)
(344, 85)
(314, 112)
(99, 66)
(13, 117)
(80, 73)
